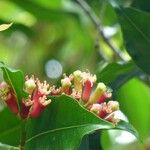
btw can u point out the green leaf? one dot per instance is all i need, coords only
(143, 5)
(5, 26)
(134, 99)
(136, 33)
(116, 74)
(15, 79)
(9, 128)
(63, 124)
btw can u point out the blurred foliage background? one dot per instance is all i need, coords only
(49, 38)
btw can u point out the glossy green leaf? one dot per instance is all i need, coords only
(15, 79)
(142, 5)
(116, 74)
(136, 33)
(5, 26)
(63, 124)
(9, 128)
(134, 99)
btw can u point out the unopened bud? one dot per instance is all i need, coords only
(66, 84)
(12, 103)
(77, 80)
(96, 108)
(75, 94)
(112, 118)
(112, 106)
(25, 108)
(104, 97)
(87, 90)
(30, 85)
(100, 89)
(38, 106)
(4, 89)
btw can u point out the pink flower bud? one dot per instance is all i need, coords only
(103, 112)
(42, 88)
(87, 90)
(38, 106)
(75, 94)
(96, 108)
(39, 99)
(55, 91)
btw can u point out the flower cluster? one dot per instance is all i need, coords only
(31, 106)
(82, 87)
(79, 85)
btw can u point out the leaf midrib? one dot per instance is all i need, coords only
(64, 128)
(12, 86)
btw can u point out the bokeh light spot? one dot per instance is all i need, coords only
(53, 69)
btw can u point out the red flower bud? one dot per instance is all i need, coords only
(87, 90)
(38, 106)
(25, 108)
(12, 103)
(104, 97)
(103, 112)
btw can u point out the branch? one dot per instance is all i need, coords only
(23, 135)
(98, 25)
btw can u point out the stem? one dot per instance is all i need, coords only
(98, 25)
(23, 135)
(98, 49)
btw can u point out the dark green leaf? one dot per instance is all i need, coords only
(64, 120)
(136, 33)
(15, 79)
(116, 74)
(9, 128)
(143, 5)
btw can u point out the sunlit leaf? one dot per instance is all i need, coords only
(62, 120)
(134, 98)
(5, 26)
(15, 79)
